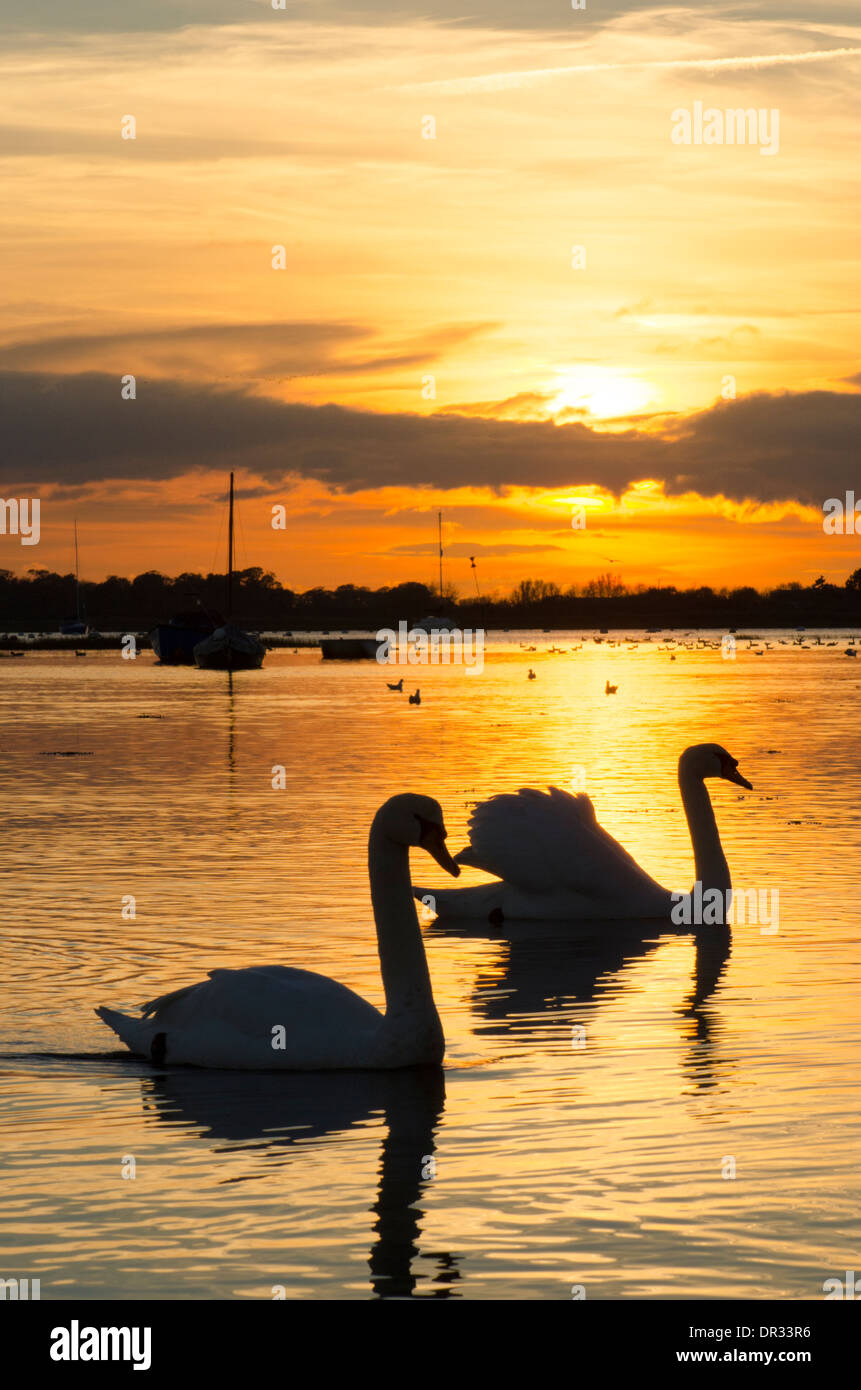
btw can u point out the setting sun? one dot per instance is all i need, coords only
(603, 392)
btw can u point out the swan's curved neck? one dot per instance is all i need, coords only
(711, 866)
(403, 963)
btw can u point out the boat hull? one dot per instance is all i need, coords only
(229, 649)
(174, 645)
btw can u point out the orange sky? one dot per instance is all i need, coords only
(434, 276)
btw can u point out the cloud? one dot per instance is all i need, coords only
(258, 351)
(75, 429)
(107, 16)
(24, 142)
(503, 81)
(467, 549)
(524, 406)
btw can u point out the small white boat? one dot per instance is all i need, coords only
(436, 625)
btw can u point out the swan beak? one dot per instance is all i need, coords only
(434, 843)
(733, 775)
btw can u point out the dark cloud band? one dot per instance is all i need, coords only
(78, 430)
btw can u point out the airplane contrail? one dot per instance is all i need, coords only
(500, 81)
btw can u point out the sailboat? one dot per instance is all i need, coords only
(77, 626)
(359, 648)
(229, 648)
(433, 625)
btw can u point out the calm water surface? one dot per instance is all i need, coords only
(555, 1164)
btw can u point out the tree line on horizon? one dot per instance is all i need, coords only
(41, 596)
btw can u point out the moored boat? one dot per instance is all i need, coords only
(174, 642)
(77, 626)
(229, 648)
(349, 648)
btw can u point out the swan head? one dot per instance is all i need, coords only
(711, 760)
(414, 820)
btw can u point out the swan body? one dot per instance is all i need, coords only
(275, 1017)
(553, 861)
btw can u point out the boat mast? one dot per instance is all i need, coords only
(230, 556)
(439, 524)
(77, 580)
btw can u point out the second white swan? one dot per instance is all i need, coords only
(555, 862)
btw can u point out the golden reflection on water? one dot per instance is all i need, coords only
(555, 1164)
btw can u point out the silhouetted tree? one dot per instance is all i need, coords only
(605, 586)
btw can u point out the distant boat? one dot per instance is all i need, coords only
(349, 648)
(229, 648)
(77, 626)
(436, 625)
(366, 648)
(174, 642)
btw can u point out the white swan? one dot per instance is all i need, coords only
(556, 862)
(273, 1017)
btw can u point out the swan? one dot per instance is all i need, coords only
(274, 1017)
(556, 862)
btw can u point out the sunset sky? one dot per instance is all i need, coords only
(429, 343)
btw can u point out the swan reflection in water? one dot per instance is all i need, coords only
(282, 1112)
(549, 967)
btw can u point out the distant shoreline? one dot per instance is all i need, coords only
(309, 639)
(43, 603)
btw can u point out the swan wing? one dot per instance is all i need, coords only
(254, 1000)
(545, 841)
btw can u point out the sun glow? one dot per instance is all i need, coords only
(602, 392)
